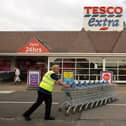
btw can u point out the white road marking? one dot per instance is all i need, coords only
(6, 92)
(55, 103)
(117, 104)
(21, 102)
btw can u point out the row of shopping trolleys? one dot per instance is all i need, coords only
(84, 95)
(88, 83)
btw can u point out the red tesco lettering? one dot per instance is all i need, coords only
(103, 10)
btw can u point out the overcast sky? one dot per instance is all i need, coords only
(47, 15)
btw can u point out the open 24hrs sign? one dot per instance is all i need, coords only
(33, 46)
(103, 18)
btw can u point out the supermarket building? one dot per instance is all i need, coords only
(86, 53)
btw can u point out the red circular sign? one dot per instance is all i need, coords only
(106, 77)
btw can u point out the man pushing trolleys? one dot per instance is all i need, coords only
(44, 93)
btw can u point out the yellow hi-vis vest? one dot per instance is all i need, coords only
(47, 82)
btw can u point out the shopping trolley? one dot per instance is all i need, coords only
(84, 95)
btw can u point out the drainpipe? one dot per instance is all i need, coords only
(104, 64)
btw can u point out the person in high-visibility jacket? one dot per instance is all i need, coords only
(45, 93)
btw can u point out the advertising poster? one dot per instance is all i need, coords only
(68, 77)
(33, 78)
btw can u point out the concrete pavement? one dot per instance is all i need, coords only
(109, 115)
(20, 87)
(12, 105)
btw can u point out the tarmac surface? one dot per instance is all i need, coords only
(15, 99)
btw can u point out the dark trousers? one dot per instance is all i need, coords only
(47, 98)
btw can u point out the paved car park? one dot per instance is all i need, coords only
(15, 102)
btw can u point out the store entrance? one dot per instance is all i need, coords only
(31, 63)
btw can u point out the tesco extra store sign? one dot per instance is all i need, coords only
(103, 18)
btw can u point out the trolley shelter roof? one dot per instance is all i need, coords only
(66, 41)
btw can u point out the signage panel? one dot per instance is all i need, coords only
(33, 78)
(68, 77)
(106, 76)
(103, 18)
(33, 47)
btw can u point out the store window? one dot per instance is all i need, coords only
(112, 65)
(121, 70)
(32, 63)
(82, 69)
(95, 67)
(5, 65)
(118, 66)
(85, 68)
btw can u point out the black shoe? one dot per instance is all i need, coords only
(50, 118)
(27, 118)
